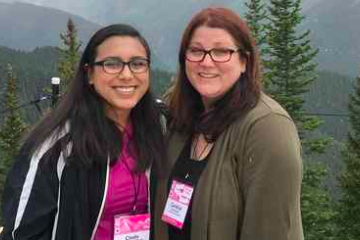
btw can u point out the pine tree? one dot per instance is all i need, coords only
(256, 19)
(349, 207)
(11, 131)
(70, 54)
(290, 68)
(316, 204)
(289, 71)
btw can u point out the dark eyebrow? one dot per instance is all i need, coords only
(138, 57)
(196, 46)
(121, 60)
(112, 58)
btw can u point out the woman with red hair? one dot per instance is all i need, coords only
(235, 154)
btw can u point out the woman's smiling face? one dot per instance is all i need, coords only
(211, 79)
(121, 92)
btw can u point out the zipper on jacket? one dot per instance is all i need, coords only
(147, 174)
(103, 200)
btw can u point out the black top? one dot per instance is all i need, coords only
(187, 171)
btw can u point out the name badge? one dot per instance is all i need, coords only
(177, 204)
(132, 227)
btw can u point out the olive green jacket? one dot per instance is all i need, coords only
(250, 188)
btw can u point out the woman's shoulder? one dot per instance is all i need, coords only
(50, 146)
(265, 112)
(266, 106)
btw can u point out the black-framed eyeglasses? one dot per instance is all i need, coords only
(219, 55)
(116, 66)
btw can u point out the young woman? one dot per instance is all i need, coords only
(84, 166)
(235, 157)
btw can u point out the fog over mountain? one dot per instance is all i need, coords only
(26, 26)
(96, 10)
(335, 31)
(334, 24)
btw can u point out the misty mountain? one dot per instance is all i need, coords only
(335, 31)
(333, 24)
(103, 11)
(26, 26)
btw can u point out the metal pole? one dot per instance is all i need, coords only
(55, 86)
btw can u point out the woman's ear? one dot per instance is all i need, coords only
(87, 71)
(243, 65)
(244, 60)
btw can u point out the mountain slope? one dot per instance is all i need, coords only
(335, 32)
(26, 26)
(334, 25)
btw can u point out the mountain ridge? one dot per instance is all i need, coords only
(31, 21)
(332, 23)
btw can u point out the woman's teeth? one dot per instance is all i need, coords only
(207, 75)
(125, 89)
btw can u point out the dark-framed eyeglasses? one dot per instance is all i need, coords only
(219, 55)
(116, 66)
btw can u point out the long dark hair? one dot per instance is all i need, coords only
(93, 135)
(186, 107)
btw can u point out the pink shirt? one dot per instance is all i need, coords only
(124, 187)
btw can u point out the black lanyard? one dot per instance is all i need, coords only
(136, 190)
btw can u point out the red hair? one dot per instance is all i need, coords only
(185, 102)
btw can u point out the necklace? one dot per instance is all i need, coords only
(195, 146)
